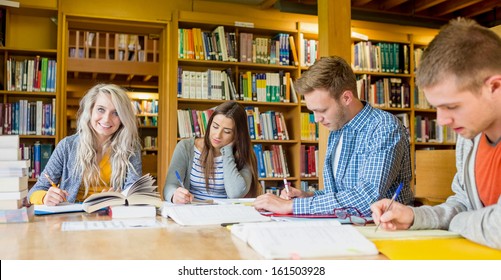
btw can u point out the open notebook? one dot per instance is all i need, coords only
(304, 239)
(64, 207)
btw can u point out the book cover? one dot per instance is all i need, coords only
(13, 195)
(11, 204)
(141, 192)
(13, 184)
(9, 142)
(22, 215)
(132, 211)
(64, 207)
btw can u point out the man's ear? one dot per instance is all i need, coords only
(347, 97)
(494, 83)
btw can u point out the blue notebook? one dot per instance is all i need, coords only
(64, 207)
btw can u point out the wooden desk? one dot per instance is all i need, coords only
(43, 239)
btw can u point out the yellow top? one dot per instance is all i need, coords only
(105, 168)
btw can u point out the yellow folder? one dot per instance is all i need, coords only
(436, 249)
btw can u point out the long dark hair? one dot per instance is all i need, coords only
(242, 147)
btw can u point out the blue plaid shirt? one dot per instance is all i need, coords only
(375, 158)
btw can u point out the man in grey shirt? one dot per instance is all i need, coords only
(460, 74)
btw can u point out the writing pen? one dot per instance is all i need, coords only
(391, 202)
(182, 185)
(286, 185)
(52, 182)
(179, 179)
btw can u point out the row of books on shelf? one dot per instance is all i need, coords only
(37, 74)
(384, 92)
(263, 50)
(37, 154)
(150, 142)
(309, 127)
(308, 51)
(307, 186)
(220, 85)
(148, 120)
(418, 53)
(269, 125)
(272, 163)
(429, 131)
(145, 106)
(192, 123)
(308, 159)
(381, 57)
(28, 118)
(219, 45)
(420, 101)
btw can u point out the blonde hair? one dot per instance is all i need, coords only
(121, 145)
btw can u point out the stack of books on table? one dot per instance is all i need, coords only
(13, 182)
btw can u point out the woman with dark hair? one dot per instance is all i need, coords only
(222, 164)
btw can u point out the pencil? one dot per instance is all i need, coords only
(52, 183)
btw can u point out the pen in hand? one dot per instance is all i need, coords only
(391, 202)
(179, 180)
(286, 185)
(182, 186)
(52, 183)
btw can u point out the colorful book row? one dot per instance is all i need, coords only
(38, 74)
(272, 163)
(28, 118)
(219, 45)
(269, 125)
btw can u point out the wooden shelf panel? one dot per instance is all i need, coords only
(434, 144)
(30, 52)
(113, 67)
(34, 94)
(249, 66)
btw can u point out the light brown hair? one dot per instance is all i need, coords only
(464, 50)
(330, 73)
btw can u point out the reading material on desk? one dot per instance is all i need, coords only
(196, 215)
(64, 207)
(304, 239)
(112, 225)
(227, 201)
(370, 233)
(436, 249)
(141, 192)
(132, 211)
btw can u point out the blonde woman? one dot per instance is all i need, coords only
(104, 154)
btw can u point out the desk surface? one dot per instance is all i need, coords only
(43, 239)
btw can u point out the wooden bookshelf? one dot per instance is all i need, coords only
(30, 95)
(125, 52)
(260, 29)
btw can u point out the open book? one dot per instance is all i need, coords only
(141, 192)
(304, 239)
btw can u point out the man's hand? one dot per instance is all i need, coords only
(273, 203)
(398, 216)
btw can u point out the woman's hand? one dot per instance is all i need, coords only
(182, 196)
(54, 196)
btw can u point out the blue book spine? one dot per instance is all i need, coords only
(258, 150)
